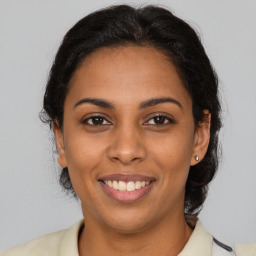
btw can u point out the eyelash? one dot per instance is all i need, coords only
(168, 119)
(85, 121)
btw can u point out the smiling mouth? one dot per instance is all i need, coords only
(126, 186)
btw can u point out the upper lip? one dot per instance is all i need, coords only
(127, 177)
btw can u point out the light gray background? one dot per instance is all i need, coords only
(31, 202)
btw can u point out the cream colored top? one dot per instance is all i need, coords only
(65, 243)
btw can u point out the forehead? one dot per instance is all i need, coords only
(127, 74)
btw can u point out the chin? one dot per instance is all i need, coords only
(128, 228)
(129, 222)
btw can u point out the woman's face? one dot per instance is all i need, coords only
(128, 138)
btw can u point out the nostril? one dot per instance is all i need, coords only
(126, 153)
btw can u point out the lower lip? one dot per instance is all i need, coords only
(127, 196)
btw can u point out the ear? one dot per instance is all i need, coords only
(201, 138)
(60, 145)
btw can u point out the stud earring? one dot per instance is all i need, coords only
(197, 158)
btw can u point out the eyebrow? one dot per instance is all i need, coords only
(98, 102)
(155, 101)
(148, 103)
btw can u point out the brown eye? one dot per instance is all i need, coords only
(95, 120)
(160, 120)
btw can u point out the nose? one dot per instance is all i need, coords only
(127, 147)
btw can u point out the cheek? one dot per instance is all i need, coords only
(173, 155)
(84, 156)
(83, 152)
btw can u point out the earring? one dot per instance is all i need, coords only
(197, 158)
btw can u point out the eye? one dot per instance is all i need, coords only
(160, 120)
(95, 121)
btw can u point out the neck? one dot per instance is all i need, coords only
(168, 237)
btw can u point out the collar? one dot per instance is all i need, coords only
(199, 243)
(69, 241)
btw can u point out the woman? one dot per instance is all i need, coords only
(133, 103)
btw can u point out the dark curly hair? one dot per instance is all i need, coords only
(123, 25)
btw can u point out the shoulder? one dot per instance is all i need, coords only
(44, 244)
(220, 249)
(202, 243)
(50, 244)
(246, 249)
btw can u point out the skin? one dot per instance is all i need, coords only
(129, 141)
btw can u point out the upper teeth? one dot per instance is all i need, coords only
(126, 186)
